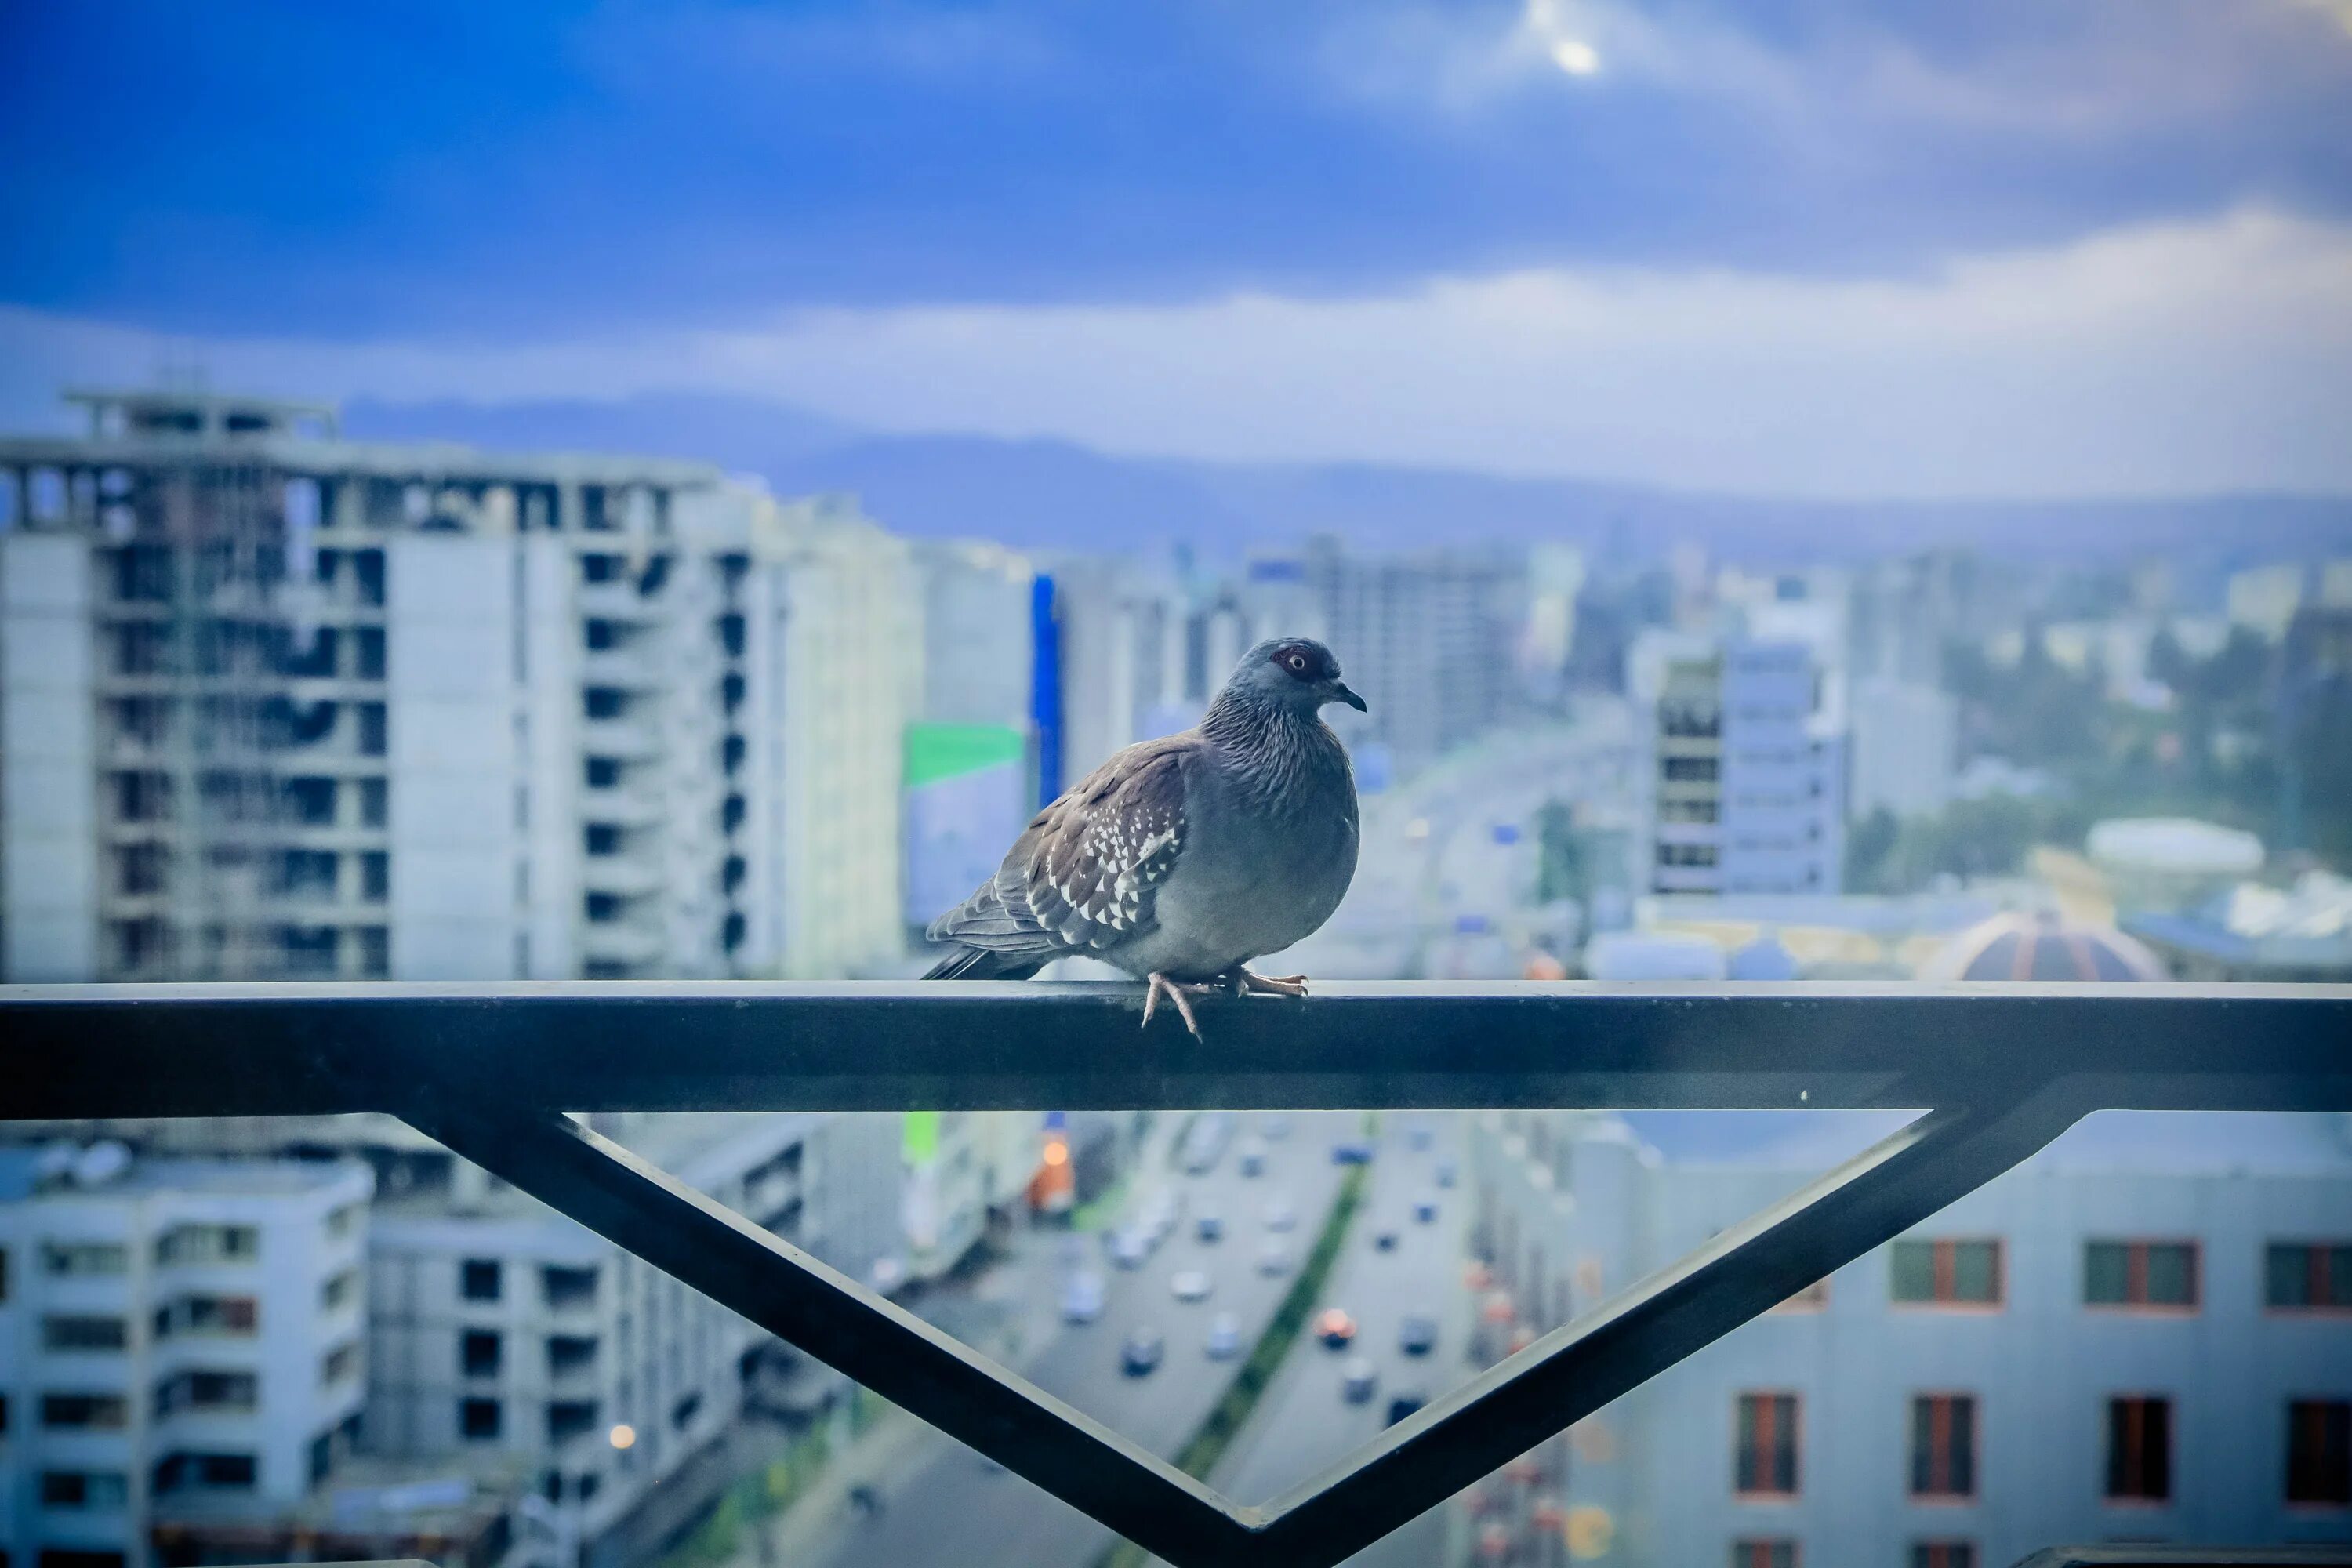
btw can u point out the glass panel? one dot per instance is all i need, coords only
(2106, 1269)
(1915, 1270)
(2172, 1274)
(1962, 1467)
(2288, 1272)
(1976, 1271)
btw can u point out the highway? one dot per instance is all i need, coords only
(1304, 1424)
(948, 1507)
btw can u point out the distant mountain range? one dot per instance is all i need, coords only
(1050, 494)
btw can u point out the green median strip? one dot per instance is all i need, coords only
(1209, 1442)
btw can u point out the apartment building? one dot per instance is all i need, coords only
(276, 704)
(2138, 1334)
(182, 1348)
(505, 1335)
(1743, 787)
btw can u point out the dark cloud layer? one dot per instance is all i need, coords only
(473, 170)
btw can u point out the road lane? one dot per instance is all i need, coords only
(950, 1508)
(1304, 1424)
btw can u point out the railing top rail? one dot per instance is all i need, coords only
(315, 1049)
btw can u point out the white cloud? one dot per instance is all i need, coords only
(2171, 360)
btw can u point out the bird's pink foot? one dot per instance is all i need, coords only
(1156, 985)
(1248, 984)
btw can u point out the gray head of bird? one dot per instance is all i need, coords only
(1296, 673)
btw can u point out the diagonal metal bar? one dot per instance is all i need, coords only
(1633, 1337)
(709, 1246)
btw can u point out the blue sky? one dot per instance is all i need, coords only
(510, 200)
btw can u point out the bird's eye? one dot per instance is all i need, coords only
(1297, 661)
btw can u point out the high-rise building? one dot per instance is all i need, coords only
(276, 704)
(1432, 640)
(182, 1348)
(1743, 788)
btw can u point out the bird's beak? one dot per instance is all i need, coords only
(1339, 693)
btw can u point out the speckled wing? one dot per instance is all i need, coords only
(1081, 879)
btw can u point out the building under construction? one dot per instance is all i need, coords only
(276, 704)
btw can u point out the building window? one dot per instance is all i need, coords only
(67, 1557)
(1686, 855)
(568, 1354)
(344, 1220)
(83, 1488)
(4, 1274)
(480, 1420)
(339, 1289)
(1767, 1454)
(2309, 1277)
(2140, 1274)
(567, 1418)
(2139, 1451)
(77, 1258)
(564, 1286)
(208, 1391)
(682, 1414)
(85, 1334)
(237, 1316)
(1944, 1446)
(1948, 1273)
(2319, 1452)
(1764, 1554)
(339, 1364)
(91, 1412)
(1943, 1554)
(479, 1353)
(235, 1472)
(478, 1279)
(208, 1244)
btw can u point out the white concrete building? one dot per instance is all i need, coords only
(181, 1346)
(2138, 1334)
(1743, 789)
(502, 1334)
(1905, 741)
(276, 704)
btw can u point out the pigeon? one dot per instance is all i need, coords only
(1182, 859)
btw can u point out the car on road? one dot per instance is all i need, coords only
(1419, 1136)
(1275, 1127)
(1418, 1335)
(1205, 1140)
(1128, 1247)
(1253, 1158)
(1280, 1215)
(1358, 1379)
(1425, 1212)
(1224, 1337)
(1082, 1297)
(1351, 1154)
(1191, 1285)
(1210, 1227)
(1446, 1172)
(1141, 1353)
(1404, 1402)
(1385, 1238)
(1335, 1328)
(1273, 1257)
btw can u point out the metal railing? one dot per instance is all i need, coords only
(490, 1070)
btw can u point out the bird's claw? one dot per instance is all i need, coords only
(1248, 984)
(1156, 985)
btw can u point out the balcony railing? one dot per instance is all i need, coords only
(490, 1071)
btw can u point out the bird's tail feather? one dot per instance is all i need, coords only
(963, 963)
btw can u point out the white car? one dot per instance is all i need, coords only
(1273, 1257)
(1280, 1215)
(1191, 1285)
